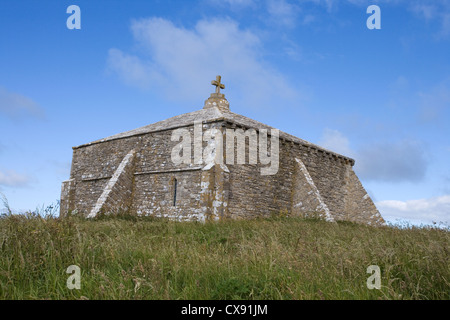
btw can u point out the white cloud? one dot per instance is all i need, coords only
(429, 105)
(239, 2)
(282, 12)
(426, 10)
(393, 162)
(11, 178)
(434, 11)
(404, 160)
(62, 169)
(308, 19)
(329, 4)
(181, 62)
(234, 3)
(434, 103)
(132, 70)
(399, 161)
(427, 211)
(446, 187)
(16, 106)
(335, 141)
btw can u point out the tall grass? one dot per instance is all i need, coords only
(4, 201)
(280, 258)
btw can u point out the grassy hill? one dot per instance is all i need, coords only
(280, 258)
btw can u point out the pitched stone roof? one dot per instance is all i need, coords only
(207, 115)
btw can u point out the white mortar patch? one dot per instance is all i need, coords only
(102, 199)
(322, 205)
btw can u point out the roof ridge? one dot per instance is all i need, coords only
(211, 114)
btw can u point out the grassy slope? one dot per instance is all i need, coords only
(285, 258)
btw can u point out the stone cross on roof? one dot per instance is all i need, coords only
(218, 84)
(217, 99)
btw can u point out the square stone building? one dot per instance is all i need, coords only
(214, 172)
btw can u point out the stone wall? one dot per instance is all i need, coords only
(306, 198)
(216, 191)
(117, 196)
(67, 196)
(154, 194)
(359, 207)
(328, 174)
(255, 195)
(147, 186)
(335, 191)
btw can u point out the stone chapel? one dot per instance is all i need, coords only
(213, 164)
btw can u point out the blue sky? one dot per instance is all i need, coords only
(311, 68)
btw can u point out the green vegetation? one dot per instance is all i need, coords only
(280, 258)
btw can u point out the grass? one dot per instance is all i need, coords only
(280, 258)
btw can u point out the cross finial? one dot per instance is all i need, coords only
(218, 84)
